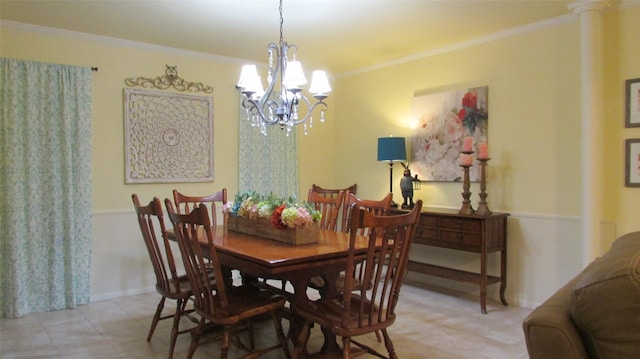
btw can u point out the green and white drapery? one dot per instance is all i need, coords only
(45, 186)
(268, 164)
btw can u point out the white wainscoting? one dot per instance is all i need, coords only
(120, 264)
(544, 252)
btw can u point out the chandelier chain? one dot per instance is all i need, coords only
(281, 24)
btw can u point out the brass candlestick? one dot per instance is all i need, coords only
(466, 185)
(483, 209)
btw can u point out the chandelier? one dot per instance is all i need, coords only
(285, 106)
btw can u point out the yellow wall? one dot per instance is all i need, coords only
(534, 125)
(622, 62)
(534, 135)
(117, 61)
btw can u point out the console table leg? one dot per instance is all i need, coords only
(503, 274)
(483, 281)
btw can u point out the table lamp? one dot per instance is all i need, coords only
(391, 149)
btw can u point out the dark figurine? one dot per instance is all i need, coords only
(406, 186)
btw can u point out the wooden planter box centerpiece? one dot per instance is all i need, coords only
(264, 228)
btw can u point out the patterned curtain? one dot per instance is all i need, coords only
(45, 186)
(268, 164)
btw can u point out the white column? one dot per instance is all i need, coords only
(591, 59)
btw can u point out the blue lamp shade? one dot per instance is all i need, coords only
(391, 149)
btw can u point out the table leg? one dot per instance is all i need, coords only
(296, 323)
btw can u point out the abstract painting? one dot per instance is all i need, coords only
(444, 119)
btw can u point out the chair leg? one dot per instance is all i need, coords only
(224, 347)
(180, 304)
(156, 318)
(252, 343)
(389, 345)
(277, 320)
(346, 347)
(378, 336)
(301, 342)
(195, 338)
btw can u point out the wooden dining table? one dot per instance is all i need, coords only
(257, 257)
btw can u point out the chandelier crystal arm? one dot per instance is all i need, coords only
(309, 113)
(274, 71)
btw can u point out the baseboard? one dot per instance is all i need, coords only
(119, 294)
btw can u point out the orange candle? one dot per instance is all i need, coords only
(466, 160)
(467, 144)
(483, 151)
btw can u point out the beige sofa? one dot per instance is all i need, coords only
(596, 314)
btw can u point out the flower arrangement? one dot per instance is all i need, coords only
(283, 213)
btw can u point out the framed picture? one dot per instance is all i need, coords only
(445, 119)
(632, 162)
(632, 103)
(168, 137)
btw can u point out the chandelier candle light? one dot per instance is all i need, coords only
(282, 106)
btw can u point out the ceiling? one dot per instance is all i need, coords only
(335, 35)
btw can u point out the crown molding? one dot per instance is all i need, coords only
(581, 6)
(117, 41)
(466, 44)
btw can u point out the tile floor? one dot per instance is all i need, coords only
(432, 323)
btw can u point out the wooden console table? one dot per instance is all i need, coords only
(448, 229)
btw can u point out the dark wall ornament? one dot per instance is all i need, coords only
(632, 162)
(632, 103)
(169, 79)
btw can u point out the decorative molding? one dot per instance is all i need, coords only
(516, 31)
(119, 42)
(421, 55)
(169, 79)
(581, 6)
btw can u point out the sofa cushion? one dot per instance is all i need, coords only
(605, 303)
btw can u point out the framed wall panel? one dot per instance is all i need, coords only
(168, 137)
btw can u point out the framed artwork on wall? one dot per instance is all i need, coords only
(445, 119)
(632, 162)
(168, 137)
(632, 103)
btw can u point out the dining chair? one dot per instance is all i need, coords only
(353, 203)
(328, 207)
(329, 192)
(355, 312)
(168, 283)
(377, 207)
(185, 204)
(220, 303)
